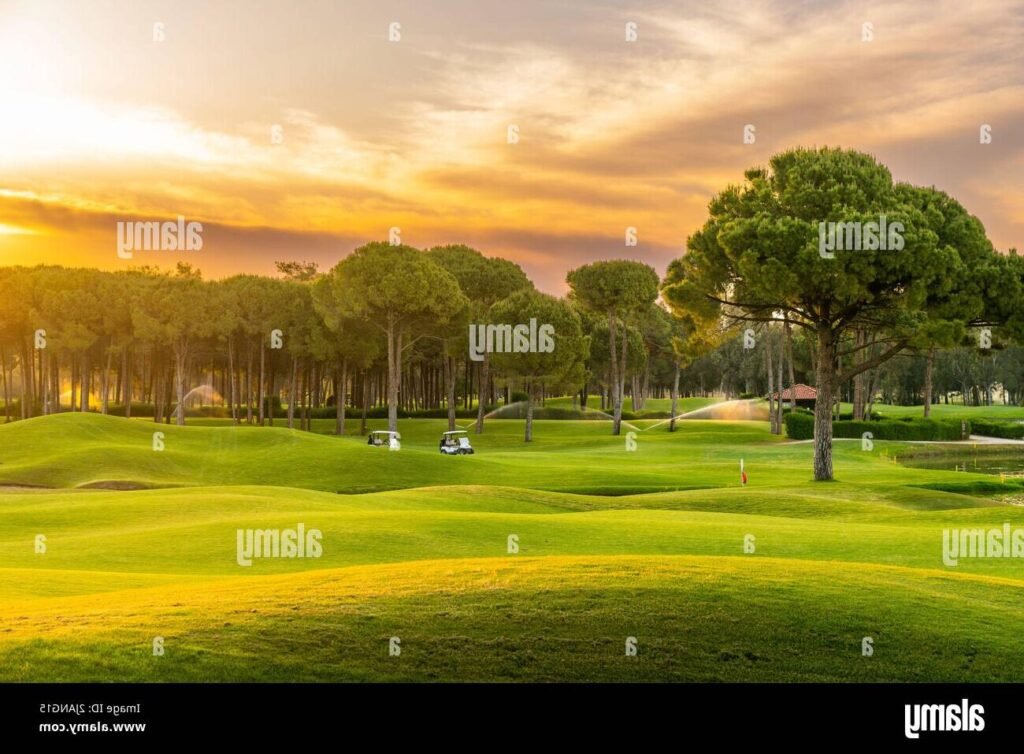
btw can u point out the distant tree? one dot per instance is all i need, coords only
(349, 343)
(484, 281)
(399, 290)
(176, 312)
(620, 290)
(537, 367)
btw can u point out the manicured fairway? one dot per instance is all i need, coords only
(611, 544)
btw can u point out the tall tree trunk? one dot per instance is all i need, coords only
(340, 389)
(485, 375)
(248, 386)
(394, 374)
(180, 369)
(621, 388)
(646, 384)
(449, 386)
(292, 393)
(825, 374)
(789, 357)
(272, 395)
(85, 382)
(23, 383)
(126, 382)
(105, 398)
(44, 382)
(614, 380)
(232, 379)
(366, 402)
(778, 381)
(675, 400)
(929, 369)
(529, 412)
(7, 386)
(772, 418)
(262, 386)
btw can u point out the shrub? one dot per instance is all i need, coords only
(1006, 429)
(914, 429)
(800, 426)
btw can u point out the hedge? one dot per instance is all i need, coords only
(1005, 429)
(800, 426)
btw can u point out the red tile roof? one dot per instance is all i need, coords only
(803, 393)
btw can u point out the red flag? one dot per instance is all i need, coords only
(743, 475)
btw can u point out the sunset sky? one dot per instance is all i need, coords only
(101, 123)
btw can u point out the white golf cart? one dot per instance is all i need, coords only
(381, 438)
(456, 443)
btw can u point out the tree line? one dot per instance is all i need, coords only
(755, 293)
(387, 326)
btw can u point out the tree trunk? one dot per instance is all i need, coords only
(180, 365)
(485, 374)
(394, 374)
(622, 372)
(614, 380)
(44, 366)
(126, 384)
(825, 375)
(772, 426)
(789, 356)
(248, 387)
(232, 380)
(529, 412)
(645, 386)
(929, 368)
(366, 402)
(262, 383)
(7, 388)
(449, 386)
(340, 383)
(105, 398)
(85, 382)
(303, 392)
(292, 393)
(24, 386)
(778, 381)
(675, 400)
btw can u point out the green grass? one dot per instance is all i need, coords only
(996, 412)
(611, 544)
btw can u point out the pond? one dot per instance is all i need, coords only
(986, 463)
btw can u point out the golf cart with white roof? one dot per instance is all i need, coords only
(456, 443)
(383, 439)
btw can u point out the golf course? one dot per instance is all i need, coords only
(540, 561)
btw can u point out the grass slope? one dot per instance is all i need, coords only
(417, 548)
